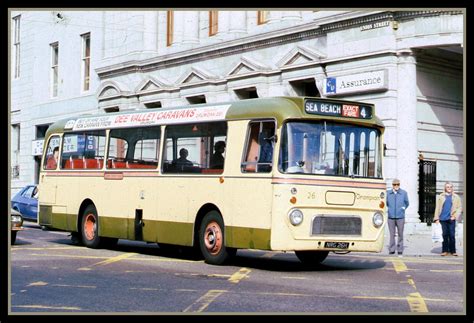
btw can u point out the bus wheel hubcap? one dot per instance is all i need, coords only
(213, 238)
(89, 227)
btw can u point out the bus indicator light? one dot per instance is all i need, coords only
(293, 200)
(382, 204)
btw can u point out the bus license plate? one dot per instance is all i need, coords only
(337, 245)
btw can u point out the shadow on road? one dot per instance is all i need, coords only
(281, 262)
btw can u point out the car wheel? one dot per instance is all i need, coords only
(13, 237)
(212, 240)
(90, 227)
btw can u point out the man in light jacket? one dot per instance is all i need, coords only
(448, 209)
(397, 203)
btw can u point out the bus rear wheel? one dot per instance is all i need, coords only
(90, 227)
(211, 240)
(311, 257)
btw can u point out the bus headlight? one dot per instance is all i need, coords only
(377, 219)
(296, 217)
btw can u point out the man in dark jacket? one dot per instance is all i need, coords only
(397, 203)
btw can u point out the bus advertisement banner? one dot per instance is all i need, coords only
(148, 118)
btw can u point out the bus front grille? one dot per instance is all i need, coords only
(336, 225)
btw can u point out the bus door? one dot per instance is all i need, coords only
(48, 182)
(252, 202)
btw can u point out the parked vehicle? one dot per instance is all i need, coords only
(17, 222)
(26, 202)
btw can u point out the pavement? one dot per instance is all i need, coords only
(420, 244)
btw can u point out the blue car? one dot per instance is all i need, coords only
(26, 202)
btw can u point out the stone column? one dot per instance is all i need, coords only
(274, 16)
(291, 15)
(150, 31)
(178, 28)
(407, 147)
(191, 27)
(223, 24)
(238, 22)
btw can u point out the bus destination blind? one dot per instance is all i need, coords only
(335, 109)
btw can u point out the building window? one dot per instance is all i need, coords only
(262, 17)
(198, 99)
(54, 69)
(86, 61)
(247, 93)
(16, 46)
(15, 151)
(169, 27)
(213, 22)
(153, 105)
(306, 87)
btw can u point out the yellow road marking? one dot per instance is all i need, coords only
(40, 283)
(241, 274)
(415, 300)
(208, 275)
(104, 257)
(218, 275)
(68, 256)
(109, 261)
(46, 248)
(293, 277)
(446, 271)
(75, 286)
(166, 259)
(391, 298)
(203, 302)
(424, 260)
(399, 265)
(144, 288)
(50, 307)
(416, 303)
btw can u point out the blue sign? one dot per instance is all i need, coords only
(331, 85)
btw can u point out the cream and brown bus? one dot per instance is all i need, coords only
(287, 174)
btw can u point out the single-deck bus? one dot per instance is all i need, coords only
(298, 174)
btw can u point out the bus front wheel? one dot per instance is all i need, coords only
(211, 240)
(311, 257)
(90, 228)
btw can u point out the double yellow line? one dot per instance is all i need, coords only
(416, 302)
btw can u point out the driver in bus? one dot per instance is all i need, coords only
(53, 160)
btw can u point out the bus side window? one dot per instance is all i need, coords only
(259, 155)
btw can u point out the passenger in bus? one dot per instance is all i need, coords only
(182, 161)
(217, 159)
(53, 160)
